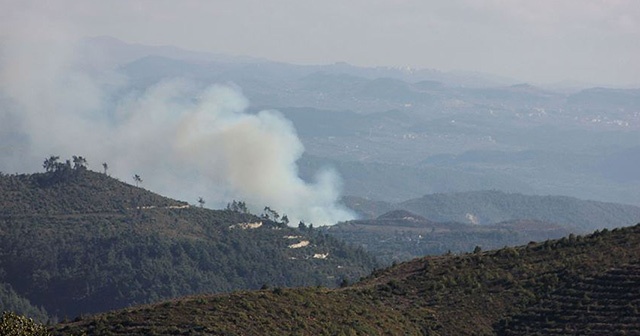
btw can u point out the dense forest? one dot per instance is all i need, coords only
(558, 287)
(73, 242)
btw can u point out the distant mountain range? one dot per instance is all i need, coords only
(112, 52)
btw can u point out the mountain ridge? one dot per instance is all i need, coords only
(474, 293)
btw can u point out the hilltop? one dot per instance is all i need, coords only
(81, 242)
(557, 286)
(79, 191)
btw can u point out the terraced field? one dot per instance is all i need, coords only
(604, 305)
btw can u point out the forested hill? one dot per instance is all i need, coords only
(572, 286)
(81, 242)
(491, 206)
(73, 191)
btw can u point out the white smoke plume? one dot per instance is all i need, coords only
(184, 139)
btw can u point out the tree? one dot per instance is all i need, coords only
(105, 166)
(302, 226)
(285, 220)
(79, 163)
(238, 206)
(51, 164)
(266, 213)
(270, 214)
(137, 179)
(233, 206)
(201, 201)
(242, 207)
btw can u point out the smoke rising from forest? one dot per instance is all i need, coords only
(184, 139)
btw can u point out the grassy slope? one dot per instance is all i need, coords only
(448, 295)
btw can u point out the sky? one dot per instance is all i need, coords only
(594, 42)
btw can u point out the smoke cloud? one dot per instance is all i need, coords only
(186, 140)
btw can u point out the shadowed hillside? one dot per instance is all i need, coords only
(483, 293)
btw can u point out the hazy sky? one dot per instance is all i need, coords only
(541, 41)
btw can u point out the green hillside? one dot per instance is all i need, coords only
(485, 293)
(82, 242)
